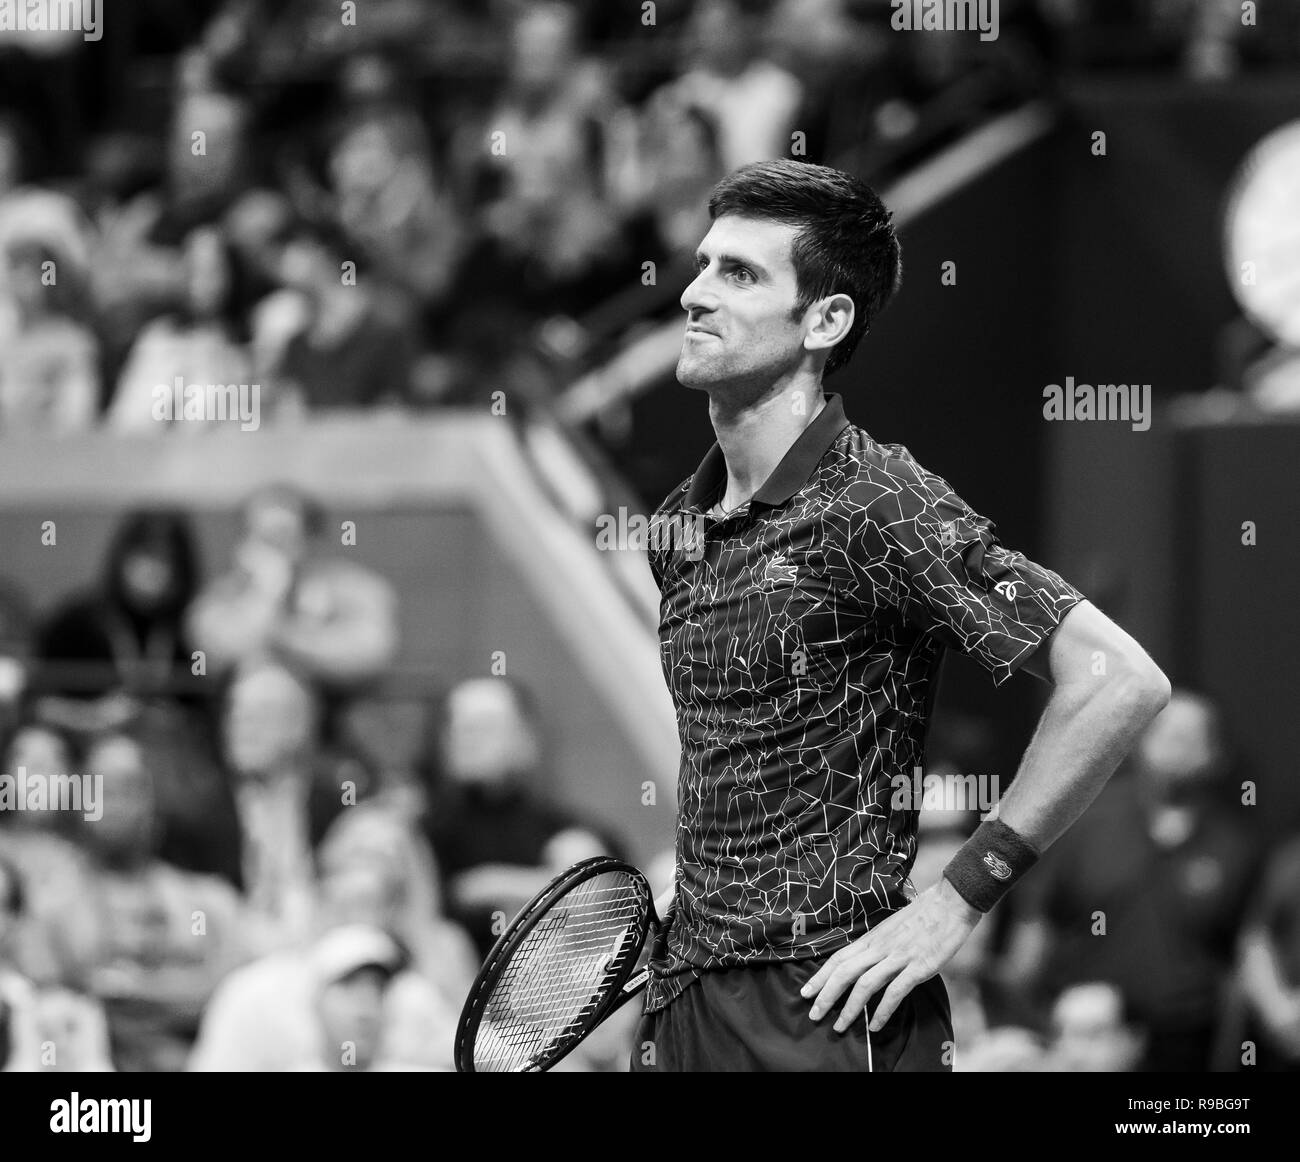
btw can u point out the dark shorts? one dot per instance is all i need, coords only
(753, 1019)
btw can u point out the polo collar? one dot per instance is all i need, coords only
(790, 475)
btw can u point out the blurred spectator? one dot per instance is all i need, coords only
(388, 198)
(299, 1010)
(49, 355)
(355, 343)
(1092, 1034)
(1269, 971)
(550, 128)
(118, 656)
(19, 1036)
(41, 1029)
(52, 868)
(256, 227)
(331, 618)
(208, 160)
(751, 101)
(103, 651)
(539, 166)
(270, 723)
(349, 1003)
(669, 172)
(496, 839)
(153, 940)
(389, 731)
(1004, 1050)
(205, 343)
(375, 868)
(1148, 889)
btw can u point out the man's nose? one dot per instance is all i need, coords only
(699, 296)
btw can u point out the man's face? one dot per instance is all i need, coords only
(352, 1010)
(1176, 752)
(1090, 1033)
(740, 326)
(126, 827)
(147, 577)
(41, 751)
(269, 722)
(487, 738)
(277, 524)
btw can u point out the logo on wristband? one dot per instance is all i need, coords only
(997, 867)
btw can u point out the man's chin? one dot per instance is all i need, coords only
(691, 374)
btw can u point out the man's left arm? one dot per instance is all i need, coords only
(1106, 690)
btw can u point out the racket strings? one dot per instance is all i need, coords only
(561, 973)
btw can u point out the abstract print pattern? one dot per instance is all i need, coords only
(801, 648)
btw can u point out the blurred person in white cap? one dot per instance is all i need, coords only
(374, 867)
(353, 967)
(347, 1002)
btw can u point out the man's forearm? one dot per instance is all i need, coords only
(1084, 733)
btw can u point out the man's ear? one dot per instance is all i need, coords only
(828, 322)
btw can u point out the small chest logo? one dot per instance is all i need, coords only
(780, 571)
(998, 868)
(1007, 589)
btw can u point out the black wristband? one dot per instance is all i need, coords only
(989, 863)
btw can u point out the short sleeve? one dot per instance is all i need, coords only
(942, 564)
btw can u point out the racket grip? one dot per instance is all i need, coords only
(635, 986)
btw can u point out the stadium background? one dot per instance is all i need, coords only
(500, 176)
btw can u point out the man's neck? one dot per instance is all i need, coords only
(754, 437)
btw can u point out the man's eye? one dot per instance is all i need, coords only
(743, 274)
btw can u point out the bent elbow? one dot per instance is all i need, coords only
(1146, 689)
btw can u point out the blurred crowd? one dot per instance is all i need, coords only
(444, 195)
(266, 864)
(277, 863)
(1159, 934)
(292, 870)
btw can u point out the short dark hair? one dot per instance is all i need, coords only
(845, 245)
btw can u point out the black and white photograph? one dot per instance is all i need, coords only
(648, 536)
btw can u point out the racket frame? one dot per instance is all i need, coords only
(516, 932)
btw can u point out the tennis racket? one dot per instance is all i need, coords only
(561, 967)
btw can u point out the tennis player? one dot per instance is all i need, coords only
(801, 640)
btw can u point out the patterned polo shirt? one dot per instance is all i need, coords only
(801, 636)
